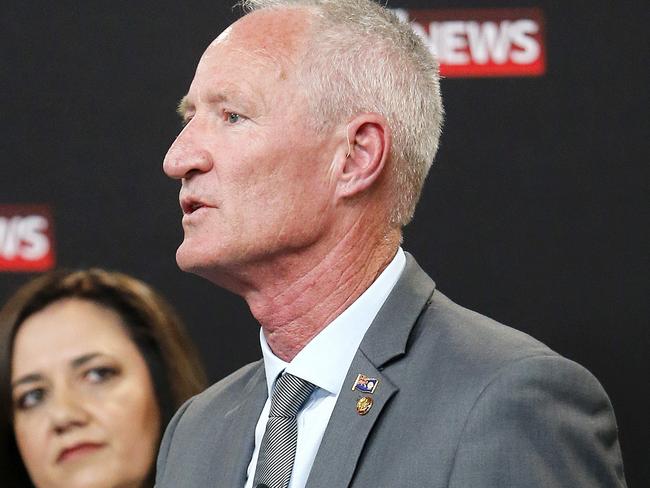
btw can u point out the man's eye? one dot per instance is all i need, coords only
(30, 399)
(101, 374)
(233, 118)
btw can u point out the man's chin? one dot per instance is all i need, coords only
(189, 261)
(209, 268)
(198, 262)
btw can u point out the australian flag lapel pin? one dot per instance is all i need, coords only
(365, 384)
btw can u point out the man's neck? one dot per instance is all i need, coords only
(309, 291)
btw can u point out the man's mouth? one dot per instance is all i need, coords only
(189, 206)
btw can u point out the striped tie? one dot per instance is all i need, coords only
(278, 449)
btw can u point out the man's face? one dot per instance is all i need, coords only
(256, 179)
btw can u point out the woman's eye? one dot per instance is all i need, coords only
(99, 375)
(30, 399)
(233, 118)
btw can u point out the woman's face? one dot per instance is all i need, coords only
(85, 412)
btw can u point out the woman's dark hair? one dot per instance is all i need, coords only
(152, 324)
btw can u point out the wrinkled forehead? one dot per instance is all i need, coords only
(277, 37)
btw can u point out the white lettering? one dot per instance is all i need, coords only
(488, 41)
(522, 33)
(9, 238)
(450, 41)
(35, 243)
(24, 237)
(466, 42)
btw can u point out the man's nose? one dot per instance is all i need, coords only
(67, 412)
(187, 155)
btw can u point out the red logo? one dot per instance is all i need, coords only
(485, 42)
(26, 238)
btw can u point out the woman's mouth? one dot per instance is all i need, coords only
(78, 450)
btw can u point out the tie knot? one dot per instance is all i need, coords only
(289, 395)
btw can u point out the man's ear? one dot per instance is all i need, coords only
(369, 142)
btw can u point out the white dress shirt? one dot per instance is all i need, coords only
(324, 361)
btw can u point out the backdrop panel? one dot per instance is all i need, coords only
(538, 195)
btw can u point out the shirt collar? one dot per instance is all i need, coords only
(325, 360)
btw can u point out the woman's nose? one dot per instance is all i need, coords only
(67, 412)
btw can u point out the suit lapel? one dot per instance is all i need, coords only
(239, 431)
(347, 430)
(385, 341)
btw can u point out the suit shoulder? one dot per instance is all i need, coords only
(548, 405)
(202, 430)
(228, 389)
(463, 338)
(466, 347)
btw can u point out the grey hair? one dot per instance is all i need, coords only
(363, 58)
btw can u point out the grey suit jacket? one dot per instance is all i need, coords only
(462, 402)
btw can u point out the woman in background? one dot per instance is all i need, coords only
(93, 364)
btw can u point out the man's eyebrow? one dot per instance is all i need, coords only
(224, 94)
(182, 107)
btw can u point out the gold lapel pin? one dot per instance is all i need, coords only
(364, 404)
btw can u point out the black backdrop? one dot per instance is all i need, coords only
(535, 213)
